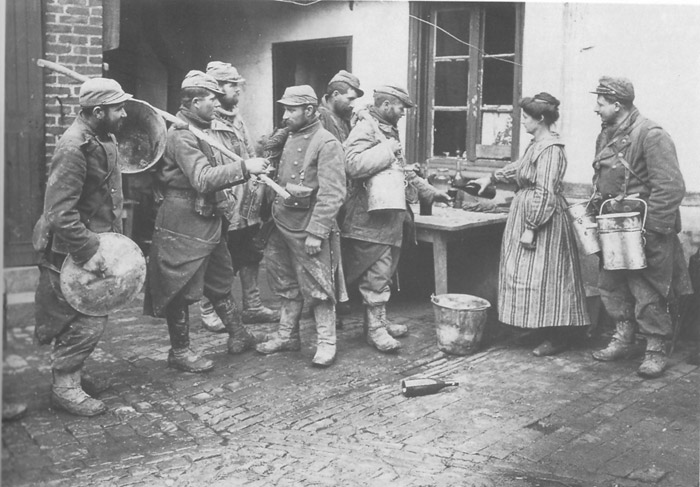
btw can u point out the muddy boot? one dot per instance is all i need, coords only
(621, 345)
(377, 334)
(394, 329)
(239, 340)
(286, 338)
(253, 309)
(67, 394)
(210, 320)
(654, 359)
(181, 357)
(324, 314)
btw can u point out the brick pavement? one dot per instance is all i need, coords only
(515, 420)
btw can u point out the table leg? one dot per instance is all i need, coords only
(440, 263)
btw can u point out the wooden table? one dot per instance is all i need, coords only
(446, 225)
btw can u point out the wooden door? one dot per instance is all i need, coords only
(25, 163)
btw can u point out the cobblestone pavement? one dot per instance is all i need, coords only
(514, 421)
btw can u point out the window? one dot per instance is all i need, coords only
(467, 81)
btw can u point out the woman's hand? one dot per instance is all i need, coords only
(527, 239)
(483, 183)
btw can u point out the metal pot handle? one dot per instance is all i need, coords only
(644, 218)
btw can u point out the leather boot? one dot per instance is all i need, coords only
(394, 329)
(324, 314)
(67, 394)
(239, 340)
(621, 345)
(181, 356)
(377, 334)
(210, 320)
(654, 358)
(253, 309)
(286, 338)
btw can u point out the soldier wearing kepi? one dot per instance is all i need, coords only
(242, 205)
(636, 156)
(189, 257)
(372, 240)
(83, 198)
(303, 244)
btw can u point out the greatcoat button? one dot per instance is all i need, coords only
(293, 176)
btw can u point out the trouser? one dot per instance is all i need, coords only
(288, 276)
(375, 282)
(244, 252)
(628, 295)
(76, 342)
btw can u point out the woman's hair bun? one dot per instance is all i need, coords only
(546, 97)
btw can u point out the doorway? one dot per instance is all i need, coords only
(312, 62)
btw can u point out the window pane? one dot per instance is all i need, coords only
(497, 82)
(451, 83)
(449, 133)
(496, 128)
(456, 22)
(499, 37)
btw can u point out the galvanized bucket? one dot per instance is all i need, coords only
(459, 322)
(622, 239)
(585, 228)
(386, 190)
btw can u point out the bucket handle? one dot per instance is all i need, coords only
(644, 218)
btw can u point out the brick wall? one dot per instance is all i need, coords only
(73, 38)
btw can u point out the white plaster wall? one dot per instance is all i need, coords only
(567, 47)
(379, 45)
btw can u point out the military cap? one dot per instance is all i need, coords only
(399, 93)
(101, 91)
(197, 79)
(224, 72)
(299, 95)
(620, 88)
(348, 78)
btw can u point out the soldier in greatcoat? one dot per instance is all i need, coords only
(372, 240)
(83, 198)
(303, 247)
(189, 256)
(635, 156)
(241, 207)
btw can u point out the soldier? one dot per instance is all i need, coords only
(303, 245)
(372, 241)
(335, 113)
(636, 156)
(242, 205)
(83, 198)
(189, 257)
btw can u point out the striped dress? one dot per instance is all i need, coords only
(540, 287)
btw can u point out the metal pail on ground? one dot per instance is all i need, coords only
(622, 239)
(459, 322)
(585, 228)
(386, 190)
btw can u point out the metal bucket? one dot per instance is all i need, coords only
(459, 322)
(141, 138)
(386, 190)
(585, 228)
(622, 239)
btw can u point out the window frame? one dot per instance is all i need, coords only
(421, 82)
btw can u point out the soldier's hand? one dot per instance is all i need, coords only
(313, 244)
(256, 165)
(96, 264)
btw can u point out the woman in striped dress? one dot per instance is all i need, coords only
(540, 284)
